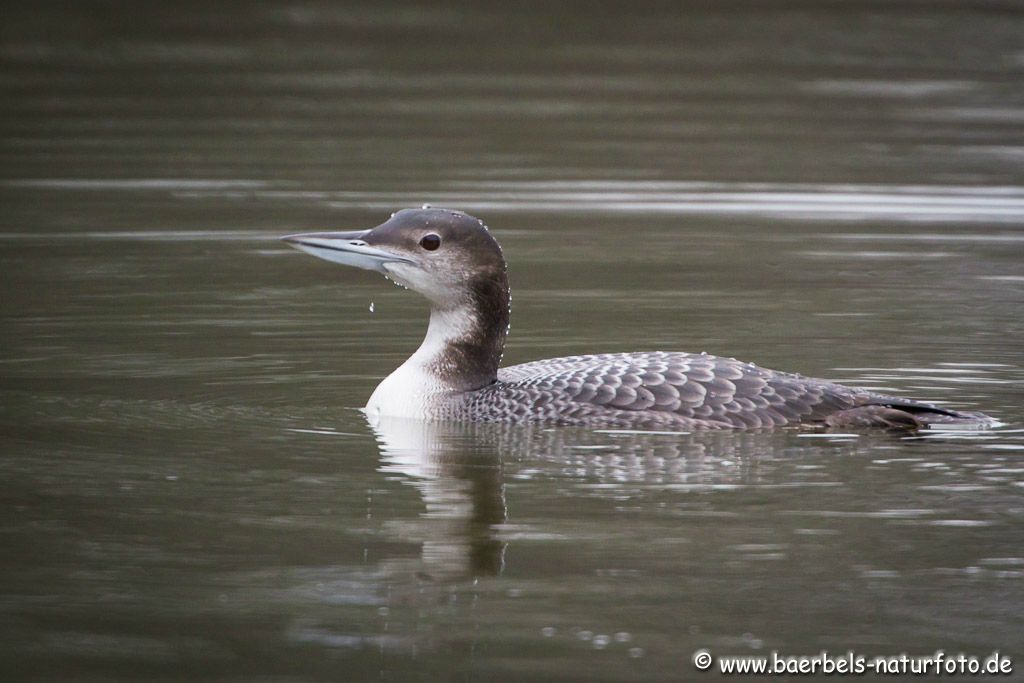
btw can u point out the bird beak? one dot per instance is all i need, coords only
(346, 248)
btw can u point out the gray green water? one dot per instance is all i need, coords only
(188, 488)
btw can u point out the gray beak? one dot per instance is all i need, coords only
(346, 248)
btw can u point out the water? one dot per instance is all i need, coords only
(188, 486)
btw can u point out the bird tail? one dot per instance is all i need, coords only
(902, 415)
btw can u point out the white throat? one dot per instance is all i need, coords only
(416, 387)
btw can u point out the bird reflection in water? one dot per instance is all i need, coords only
(467, 538)
(459, 471)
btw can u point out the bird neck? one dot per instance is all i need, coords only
(465, 339)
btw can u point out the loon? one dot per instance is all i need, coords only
(452, 259)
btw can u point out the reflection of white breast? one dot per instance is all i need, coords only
(407, 445)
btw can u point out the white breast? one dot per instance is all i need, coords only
(408, 392)
(413, 389)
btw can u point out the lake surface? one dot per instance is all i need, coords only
(190, 491)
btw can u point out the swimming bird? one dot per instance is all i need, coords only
(452, 259)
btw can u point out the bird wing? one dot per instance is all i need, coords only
(709, 389)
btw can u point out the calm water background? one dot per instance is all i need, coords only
(189, 490)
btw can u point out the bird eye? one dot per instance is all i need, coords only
(430, 242)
